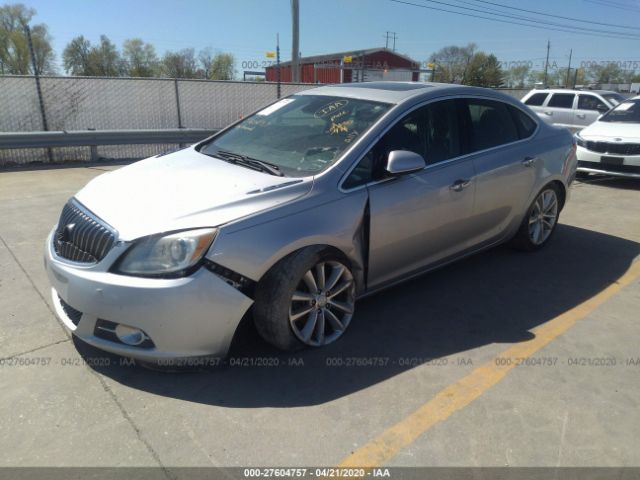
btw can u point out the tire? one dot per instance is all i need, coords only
(314, 317)
(535, 231)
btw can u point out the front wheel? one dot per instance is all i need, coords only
(307, 299)
(540, 221)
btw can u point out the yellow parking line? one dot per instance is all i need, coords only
(460, 394)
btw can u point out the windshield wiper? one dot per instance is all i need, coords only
(249, 162)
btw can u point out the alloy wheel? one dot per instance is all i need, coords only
(323, 303)
(543, 217)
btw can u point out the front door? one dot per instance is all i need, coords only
(421, 218)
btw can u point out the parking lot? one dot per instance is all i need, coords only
(500, 359)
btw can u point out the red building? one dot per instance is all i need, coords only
(346, 67)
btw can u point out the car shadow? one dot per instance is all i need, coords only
(495, 297)
(611, 182)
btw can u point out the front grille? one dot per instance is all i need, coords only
(73, 314)
(81, 237)
(608, 167)
(616, 148)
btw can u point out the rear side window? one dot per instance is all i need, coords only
(491, 124)
(526, 125)
(536, 99)
(442, 131)
(561, 100)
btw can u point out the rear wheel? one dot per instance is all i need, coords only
(307, 299)
(540, 221)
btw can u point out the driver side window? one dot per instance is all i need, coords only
(407, 134)
(431, 131)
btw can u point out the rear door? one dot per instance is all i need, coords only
(505, 164)
(559, 108)
(588, 109)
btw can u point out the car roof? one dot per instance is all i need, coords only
(398, 92)
(569, 90)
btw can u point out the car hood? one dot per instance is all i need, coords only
(605, 131)
(184, 189)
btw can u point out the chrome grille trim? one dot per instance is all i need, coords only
(81, 236)
(616, 148)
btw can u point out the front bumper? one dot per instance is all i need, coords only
(589, 161)
(186, 317)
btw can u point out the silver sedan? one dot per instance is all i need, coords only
(293, 213)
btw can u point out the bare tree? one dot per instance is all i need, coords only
(452, 63)
(205, 56)
(181, 64)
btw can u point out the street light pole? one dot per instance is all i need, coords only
(295, 41)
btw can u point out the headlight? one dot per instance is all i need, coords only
(170, 255)
(580, 141)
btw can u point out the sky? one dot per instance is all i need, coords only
(248, 28)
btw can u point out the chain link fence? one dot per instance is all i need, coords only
(83, 103)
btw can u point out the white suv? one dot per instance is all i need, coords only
(573, 109)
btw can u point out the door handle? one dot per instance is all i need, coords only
(580, 115)
(529, 161)
(548, 113)
(459, 185)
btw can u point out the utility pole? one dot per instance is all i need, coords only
(295, 42)
(278, 64)
(546, 63)
(569, 69)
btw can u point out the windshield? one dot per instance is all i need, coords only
(627, 112)
(301, 135)
(614, 98)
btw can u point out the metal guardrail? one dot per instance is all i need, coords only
(95, 138)
(88, 138)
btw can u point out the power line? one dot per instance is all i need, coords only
(510, 22)
(555, 16)
(611, 4)
(544, 22)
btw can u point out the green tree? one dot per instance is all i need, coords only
(606, 73)
(222, 67)
(139, 58)
(483, 71)
(15, 57)
(104, 59)
(76, 57)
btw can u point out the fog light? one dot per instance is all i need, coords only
(130, 335)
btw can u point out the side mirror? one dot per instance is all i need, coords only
(401, 162)
(602, 109)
